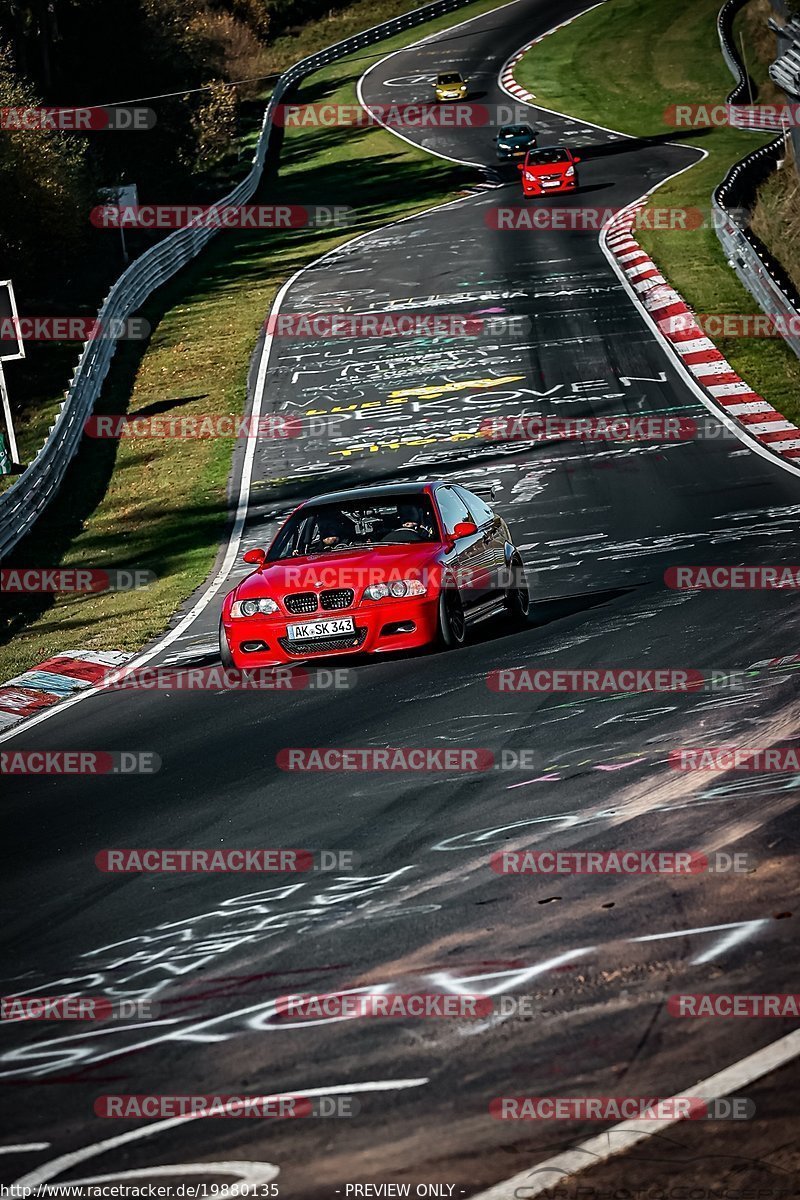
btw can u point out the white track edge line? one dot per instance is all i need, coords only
(599, 1149)
(464, 162)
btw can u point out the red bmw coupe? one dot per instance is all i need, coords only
(372, 570)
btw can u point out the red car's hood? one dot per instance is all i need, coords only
(345, 568)
(543, 169)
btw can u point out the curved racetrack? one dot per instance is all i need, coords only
(598, 524)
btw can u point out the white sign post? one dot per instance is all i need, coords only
(11, 347)
(124, 195)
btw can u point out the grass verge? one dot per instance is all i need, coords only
(622, 65)
(161, 505)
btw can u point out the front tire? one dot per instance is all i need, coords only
(225, 651)
(452, 622)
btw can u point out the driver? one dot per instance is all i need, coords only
(411, 516)
(333, 529)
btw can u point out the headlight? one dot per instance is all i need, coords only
(253, 608)
(569, 173)
(396, 590)
(529, 175)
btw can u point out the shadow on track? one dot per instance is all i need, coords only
(630, 145)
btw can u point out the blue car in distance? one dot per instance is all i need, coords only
(514, 141)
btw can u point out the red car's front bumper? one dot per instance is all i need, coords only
(535, 187)
(375, 632)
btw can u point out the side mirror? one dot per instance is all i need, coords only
(256, 557)
(464, 529)
(576, 159)
(520, 166)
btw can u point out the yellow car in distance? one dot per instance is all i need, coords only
(450, 86)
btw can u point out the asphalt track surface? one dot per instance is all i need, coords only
(598, 524)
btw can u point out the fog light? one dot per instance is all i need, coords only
(398, 627)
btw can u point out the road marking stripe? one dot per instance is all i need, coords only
(24, 1148)
(66, 1161)
(622, 1137)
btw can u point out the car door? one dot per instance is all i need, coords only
(493, 536)
(469, 560)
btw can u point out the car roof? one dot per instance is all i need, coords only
(368, 493)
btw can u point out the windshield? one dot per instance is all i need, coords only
(357, 524)
(452, 78)
(554, 155)
(509, 131)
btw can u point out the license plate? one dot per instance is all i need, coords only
(319, 629)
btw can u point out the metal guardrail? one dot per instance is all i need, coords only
(23, 503)
(742, 116)
(760, 273)
(763, 277)
(785, 71)
(745, 86)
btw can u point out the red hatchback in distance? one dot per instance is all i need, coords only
(373, 570)
(549, 169)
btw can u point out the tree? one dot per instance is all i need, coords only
(45, 189)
